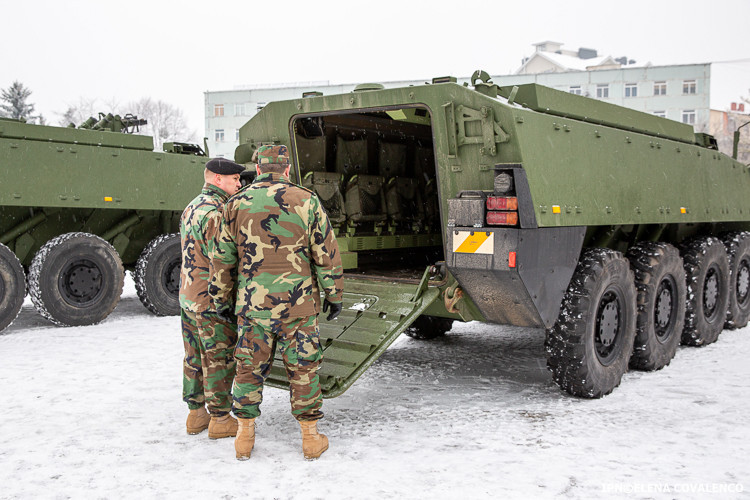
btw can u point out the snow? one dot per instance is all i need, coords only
(568, 63)
(95, 412)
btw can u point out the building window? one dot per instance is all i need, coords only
(218, 110)
(688, 87)
(660, 88)
(236, 135)
(631, 90)
(575, 89)
(219, 135)
(688, 116)
(239, 109)
(602, 91)
(662, 114)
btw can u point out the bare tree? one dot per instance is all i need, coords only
(78, 112)
(166, 122)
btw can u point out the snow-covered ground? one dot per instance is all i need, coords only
(95, 412)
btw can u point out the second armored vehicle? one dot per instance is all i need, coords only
(80, 205)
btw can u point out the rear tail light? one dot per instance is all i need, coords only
(502, 203)
(502, 218)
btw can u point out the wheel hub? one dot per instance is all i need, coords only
(171, 277)
(607, 326)
(663, 309)
(710, 293)
(743, 281)
(80, 282)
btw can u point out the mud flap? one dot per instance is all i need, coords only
(374, 315)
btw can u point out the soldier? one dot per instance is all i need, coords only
(209, 341)
(277, 243)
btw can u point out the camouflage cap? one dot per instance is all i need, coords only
(273, 154)
(222, 166)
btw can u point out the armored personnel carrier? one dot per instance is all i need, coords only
(619, 233)
(78, 206)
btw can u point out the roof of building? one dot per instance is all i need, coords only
(570, 63)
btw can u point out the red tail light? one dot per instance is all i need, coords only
(502, 203)
(502, 218)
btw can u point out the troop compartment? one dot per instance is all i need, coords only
(375, 173)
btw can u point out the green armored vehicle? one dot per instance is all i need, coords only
(80, 205)
(620, 233)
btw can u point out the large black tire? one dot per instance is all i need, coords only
(429, 327)
(589, 347)
(12, 287)
(76, 279)
(157, 275)
(738, 251)
(661, 293)
(707, 276)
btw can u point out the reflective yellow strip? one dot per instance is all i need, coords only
(472, 242)
(107, 198)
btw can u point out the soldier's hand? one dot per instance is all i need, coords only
(335, 309)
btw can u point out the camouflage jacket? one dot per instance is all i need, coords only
(199, 227)
(277, 243)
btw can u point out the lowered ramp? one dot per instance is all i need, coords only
(375, 313)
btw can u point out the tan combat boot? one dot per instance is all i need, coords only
(313, 443)
(197, 420)
(245, 441)
(222, 427)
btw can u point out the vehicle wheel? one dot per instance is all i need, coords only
(707, 276)
(157, 275)
(429, 327)
(76, 279)
(12, 287)
(738, 251)
(661, 290)
(589, 347)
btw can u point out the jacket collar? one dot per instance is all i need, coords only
(271, 176)
(210, 189)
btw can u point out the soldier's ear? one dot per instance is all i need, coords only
(257, 169)
(287, 169)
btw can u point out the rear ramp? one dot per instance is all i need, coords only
(375, 313)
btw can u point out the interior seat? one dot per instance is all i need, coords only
(365, 200)
(327, 185)
(404, 202)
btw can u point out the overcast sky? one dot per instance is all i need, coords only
(177, 50)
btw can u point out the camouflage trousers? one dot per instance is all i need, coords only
(208, 367)
(299, 342)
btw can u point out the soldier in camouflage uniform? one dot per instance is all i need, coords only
(275, 245)
(209, 341)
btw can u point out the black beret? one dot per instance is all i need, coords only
(222, 166)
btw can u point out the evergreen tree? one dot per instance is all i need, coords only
(14, 102)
